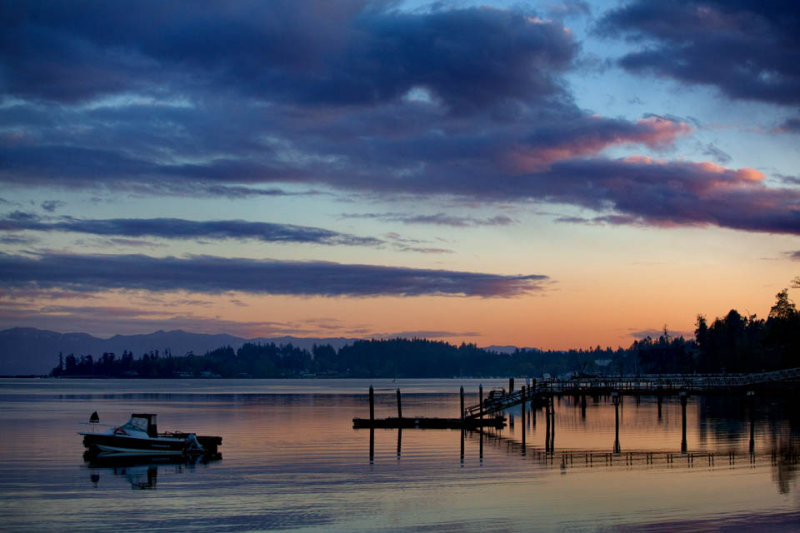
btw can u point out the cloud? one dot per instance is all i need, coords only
(791, 125)
(568, 8)
(214, 275)
(653, 192)
(425, 334)
(719, 155)
(356, 97)
(52, 205)
(312, 52)
(748, 50)
(114, 320)
(173, 228)
(438, 219)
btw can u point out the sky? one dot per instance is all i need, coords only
(540, 174)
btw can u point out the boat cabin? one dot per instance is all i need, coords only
(144, 422)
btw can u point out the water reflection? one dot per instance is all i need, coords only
(142, 471)
(663, 432)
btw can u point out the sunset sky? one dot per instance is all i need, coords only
(544, 174)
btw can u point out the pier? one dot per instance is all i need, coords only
(482, 418)
(539, 392)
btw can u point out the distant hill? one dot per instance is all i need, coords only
(504, 348)
(25, 351)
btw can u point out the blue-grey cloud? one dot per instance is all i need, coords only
(174, 228)
(790, 125)
(213, 275)
(747, 49)
(347, 52)
(51, 205)
(437, 219)
(720, 156)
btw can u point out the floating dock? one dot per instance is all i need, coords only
(497, 422)
(420, 422)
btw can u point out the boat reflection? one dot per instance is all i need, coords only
(142, 471)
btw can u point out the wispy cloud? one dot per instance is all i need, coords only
(174, 228)
(438, 219)
(425, 334)
(215, 275)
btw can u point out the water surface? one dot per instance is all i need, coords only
(291, 460)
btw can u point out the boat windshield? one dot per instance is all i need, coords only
(135, 424)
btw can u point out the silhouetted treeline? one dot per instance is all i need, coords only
(733, 343)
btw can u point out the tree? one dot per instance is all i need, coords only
(784, 308)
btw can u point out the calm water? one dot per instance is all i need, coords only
(291, 460)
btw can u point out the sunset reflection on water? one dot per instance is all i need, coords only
(292, 460)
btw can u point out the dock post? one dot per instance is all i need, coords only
(480, 400)
(548, 428)
(462, 402)
(751, 396)
(683, 396)
(399, 405)
(552, 424)
(371, 405)
(510, 385)
(524, 398)
(615, 399)
(480, 430)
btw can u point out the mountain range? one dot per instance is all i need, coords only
(31, 351)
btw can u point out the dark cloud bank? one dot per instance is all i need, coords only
(203, 274)
(228, 98)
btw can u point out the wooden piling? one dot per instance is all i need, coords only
(371, 403)
(480, 400)
(524, 399)
(399, 405)
(547, 427)
(684, 398)
(615, 399)
(751, 396)
(462, 402)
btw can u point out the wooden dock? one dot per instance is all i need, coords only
(495, 422)
(540, 391)
(463, 422)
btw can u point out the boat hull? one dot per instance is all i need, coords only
(121, 444)
(176, 444)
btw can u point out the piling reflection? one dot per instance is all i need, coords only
(142, 471)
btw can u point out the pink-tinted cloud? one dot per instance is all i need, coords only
(588, 138)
